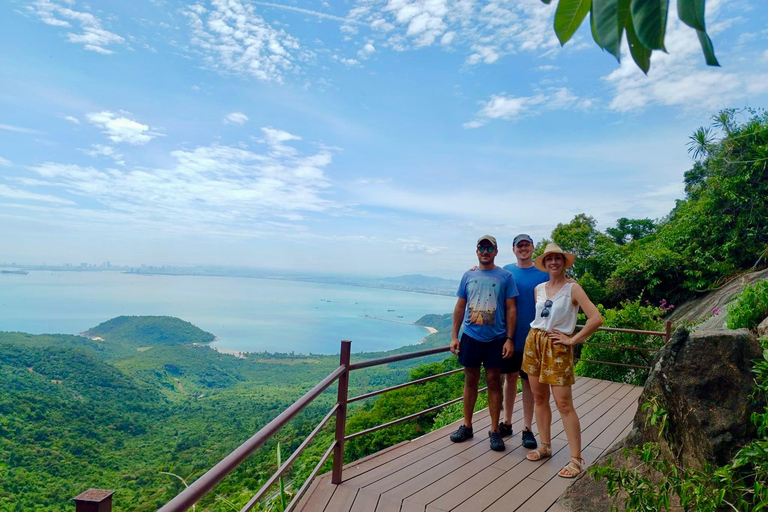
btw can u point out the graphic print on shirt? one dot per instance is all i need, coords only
(482, 301)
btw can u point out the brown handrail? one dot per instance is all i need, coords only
(613, 364)
(213, 476)
(641, 349)
(409, 417)
(396, 358)
(282, 469)
(628, 331)
(311, 477)
(404, 385)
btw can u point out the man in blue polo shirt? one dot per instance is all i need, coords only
(486, 309)
(527, 277)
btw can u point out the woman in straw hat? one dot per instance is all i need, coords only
(548, 355)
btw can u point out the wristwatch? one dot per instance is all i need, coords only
(510, 338)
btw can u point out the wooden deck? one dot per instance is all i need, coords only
(432, 474)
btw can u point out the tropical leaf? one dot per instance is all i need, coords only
(707, 48)
(691, 12)
(640, 54)
(609, 18)
(568, 17)
(650, 22)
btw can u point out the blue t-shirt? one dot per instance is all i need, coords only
(526, 280)
(486, 292)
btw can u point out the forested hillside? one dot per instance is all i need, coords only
(144, 397)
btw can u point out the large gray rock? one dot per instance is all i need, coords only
(762, 329)
(701, 309)
(704, 381)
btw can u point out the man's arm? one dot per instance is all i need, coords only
(509, 345)
(458, 317)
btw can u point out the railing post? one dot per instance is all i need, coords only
(668, 331)
(341, 413)
(94, 500)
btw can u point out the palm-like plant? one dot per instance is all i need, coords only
(700, 143)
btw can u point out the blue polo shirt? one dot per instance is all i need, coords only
(526, 280)
(486, 292)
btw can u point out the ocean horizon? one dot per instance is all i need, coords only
(245, 314)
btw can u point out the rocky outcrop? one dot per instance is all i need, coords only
(704, 381)
(762, 328)
(717, 300)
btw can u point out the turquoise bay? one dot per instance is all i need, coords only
(245, 314)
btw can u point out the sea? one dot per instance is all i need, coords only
(245, 314)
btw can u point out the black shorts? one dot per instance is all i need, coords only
(514, 363)
(474, 353)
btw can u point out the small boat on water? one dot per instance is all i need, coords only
(15, 272)
(390, 310)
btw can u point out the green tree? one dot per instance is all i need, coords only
(627, 230)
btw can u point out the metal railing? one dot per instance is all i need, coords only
(665, 334)
(192, 494)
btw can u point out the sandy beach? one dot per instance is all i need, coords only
(431, 330)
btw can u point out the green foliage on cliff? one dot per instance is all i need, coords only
(749, 307)
(716, 232)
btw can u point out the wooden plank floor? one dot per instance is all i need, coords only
(432, 474)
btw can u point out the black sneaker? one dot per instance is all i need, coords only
(497, 443)
(462, 434)
(529, 441)
(504, 429)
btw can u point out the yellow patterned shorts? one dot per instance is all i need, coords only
(552, 364)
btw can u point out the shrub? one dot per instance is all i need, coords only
(630, 315)
(750, 307)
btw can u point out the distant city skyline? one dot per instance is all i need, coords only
(364, 138)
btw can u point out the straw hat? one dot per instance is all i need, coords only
(553, 249)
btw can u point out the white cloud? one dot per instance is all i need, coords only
(13, 193)
(503, 106)
(232, 38)
(105, 151)
(346, 61)
(416, 245)
(366, 51)
(235, 118)
(17, 129)
(72, 119)
(122, 129)
(488, 31)
(212, 187)
(92, 35)
(4, 162)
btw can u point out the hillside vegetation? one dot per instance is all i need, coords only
(146, 397)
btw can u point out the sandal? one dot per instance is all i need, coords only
(544, 450)
(574, 468)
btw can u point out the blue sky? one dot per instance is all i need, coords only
(362, 137)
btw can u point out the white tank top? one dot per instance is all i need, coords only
(562, 313)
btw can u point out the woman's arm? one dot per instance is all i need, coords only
(594, 319)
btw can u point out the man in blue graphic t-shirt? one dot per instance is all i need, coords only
(527, 277)
(486, 310)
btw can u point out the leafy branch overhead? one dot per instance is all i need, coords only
(644, 21)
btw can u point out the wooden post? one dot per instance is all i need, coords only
(341, 413)
(94, 500)
(668, 331)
